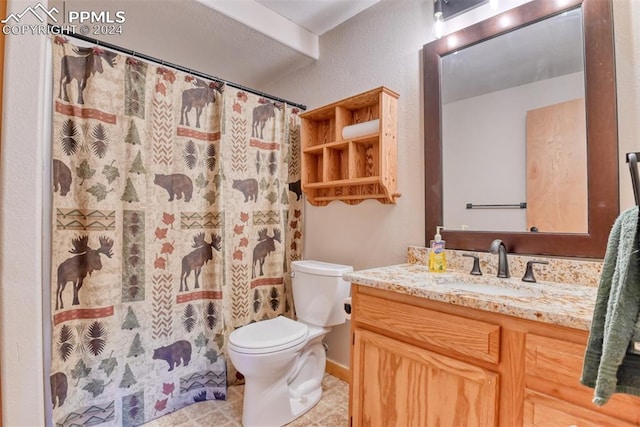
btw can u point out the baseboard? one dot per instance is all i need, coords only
(337, 370)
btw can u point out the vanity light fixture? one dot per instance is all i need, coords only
(452, 41)
(505, 21)
(438, 19)
(444, 10)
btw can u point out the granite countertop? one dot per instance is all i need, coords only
(561, 304)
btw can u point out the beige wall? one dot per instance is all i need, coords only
(24, 137)
(380, 47)
(383, 46)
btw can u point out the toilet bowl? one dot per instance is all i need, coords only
(283, 360)
(283, 378)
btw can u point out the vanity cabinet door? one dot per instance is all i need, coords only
(399, 384)
(553, 367)
(545, 411)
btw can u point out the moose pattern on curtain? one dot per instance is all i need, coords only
(176, 213)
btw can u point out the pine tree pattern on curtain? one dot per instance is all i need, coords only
(264, 212)
(173, 224)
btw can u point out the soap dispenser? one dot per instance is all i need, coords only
(437, 256)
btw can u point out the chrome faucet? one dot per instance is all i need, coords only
(498, 247)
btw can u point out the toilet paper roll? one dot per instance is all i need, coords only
(347, 308)
(361, 129)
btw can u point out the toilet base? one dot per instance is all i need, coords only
(273, 405)
(300, 408)
(278, 403)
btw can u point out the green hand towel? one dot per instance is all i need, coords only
(608, 367)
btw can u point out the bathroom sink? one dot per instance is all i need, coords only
(483, 288)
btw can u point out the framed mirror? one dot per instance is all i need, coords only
(511, 174)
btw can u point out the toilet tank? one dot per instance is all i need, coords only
(319, 291)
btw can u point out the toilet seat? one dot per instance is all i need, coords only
(268, 336)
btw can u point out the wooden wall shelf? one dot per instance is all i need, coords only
(351, 169)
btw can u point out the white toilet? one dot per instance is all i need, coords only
(283, 360)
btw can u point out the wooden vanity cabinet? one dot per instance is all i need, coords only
(418, 362)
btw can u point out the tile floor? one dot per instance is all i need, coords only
(331, 411)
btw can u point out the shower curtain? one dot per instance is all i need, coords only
(176, 213)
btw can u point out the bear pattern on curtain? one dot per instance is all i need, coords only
(176, 214)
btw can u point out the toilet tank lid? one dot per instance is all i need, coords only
(320, 268)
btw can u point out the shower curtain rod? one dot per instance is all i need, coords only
(55, 29)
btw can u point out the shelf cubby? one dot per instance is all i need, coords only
(314, 163)
(366, 159)
(319, 132)
(336, 163)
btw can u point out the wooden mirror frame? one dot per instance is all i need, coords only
(602, 133)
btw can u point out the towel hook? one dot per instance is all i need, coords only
(632, 159)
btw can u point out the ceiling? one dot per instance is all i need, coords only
(294, 23)
(317, 16)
